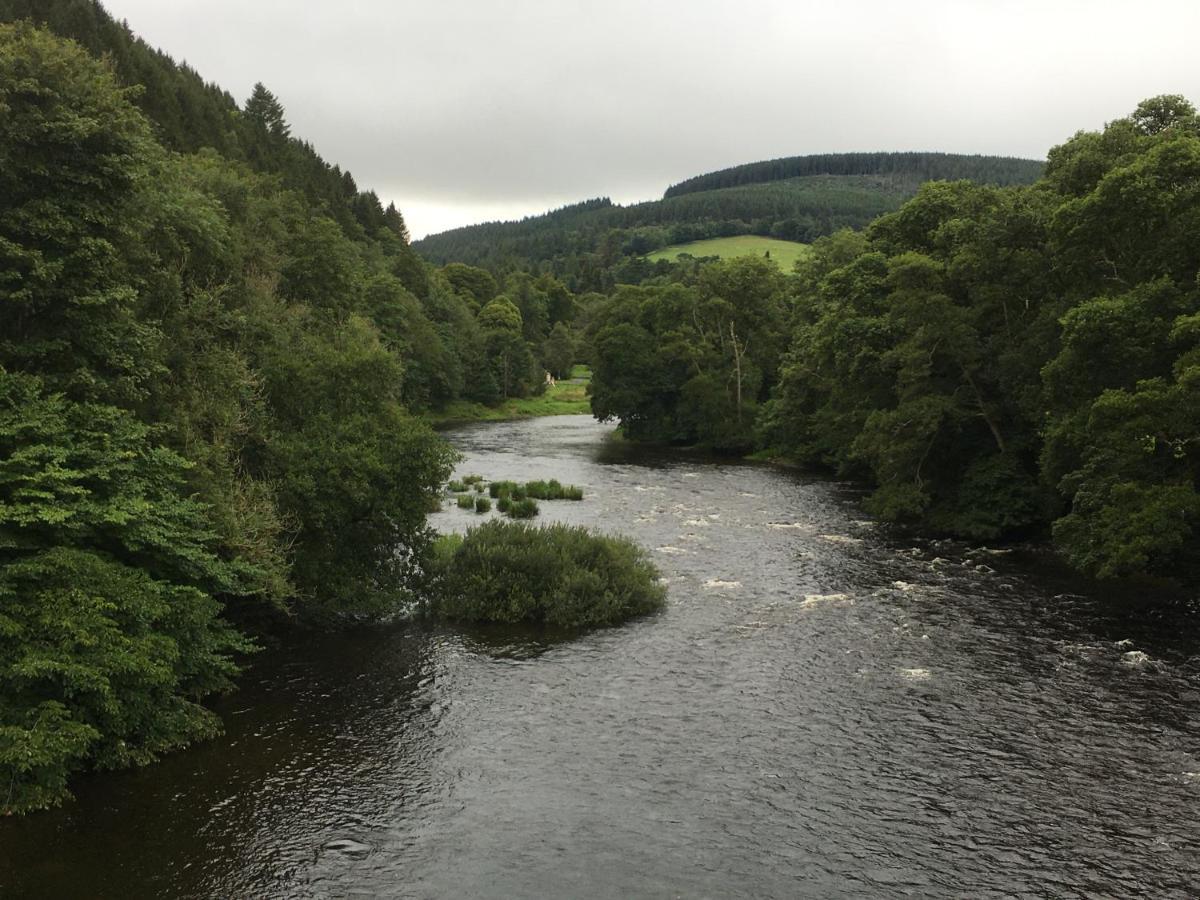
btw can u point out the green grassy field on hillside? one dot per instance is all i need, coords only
(783, 253)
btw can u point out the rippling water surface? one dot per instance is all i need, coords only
(820, 711)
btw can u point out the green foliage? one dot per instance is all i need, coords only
(997, 170)
(553, 575)
(1157, 114)
(107, 582)
(73, 152)
(559, 351)
(440, 553)
(690, 364)
(552, 490)
(351, 468)
(501, 315)
(511, 363)
(264, 112)
(483, 505)
(465, 501)
(538, 490)
(190, 114)
(521, 508)
(476, 286)
(915, 359)
(1002, 360)
(561, 399)
(206, 373)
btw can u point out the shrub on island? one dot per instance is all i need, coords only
(538, 490)
(560, 575)
(498, 489)
(525, 508)
(553, 490)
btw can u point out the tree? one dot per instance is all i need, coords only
(558, 352)
(112, 633)
(265, 112)
(73, 154)
(1157, 114)
(501, 315)
(395, 223)
(475, 285)
(353, 471)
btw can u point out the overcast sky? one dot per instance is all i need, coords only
(461, 111)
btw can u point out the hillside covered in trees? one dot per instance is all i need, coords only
(596, 244)
(1000, 171)
(215, 354)
(996, 361)
(188, 113)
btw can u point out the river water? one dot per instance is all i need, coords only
(822, 710)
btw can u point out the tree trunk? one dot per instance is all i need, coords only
(991, 423)
(737, 365)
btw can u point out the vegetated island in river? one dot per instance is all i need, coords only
(558, 575)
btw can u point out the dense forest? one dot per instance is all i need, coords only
(595, 245)
(214, 352)
(995, 361)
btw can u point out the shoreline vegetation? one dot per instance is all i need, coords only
(564, 398)
(994, 363)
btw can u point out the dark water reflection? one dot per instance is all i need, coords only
(821, 711)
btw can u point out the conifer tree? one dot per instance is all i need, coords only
(395, 222)
(265, 111)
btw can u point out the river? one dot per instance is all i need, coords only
(823, 709)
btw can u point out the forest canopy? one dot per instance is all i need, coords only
(995, 361)
(205, 395)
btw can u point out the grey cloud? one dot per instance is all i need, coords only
(458, 109)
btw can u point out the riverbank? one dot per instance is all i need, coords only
(930, 699)
(566, 398)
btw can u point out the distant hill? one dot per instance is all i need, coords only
(997, 170)
(593, 244)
